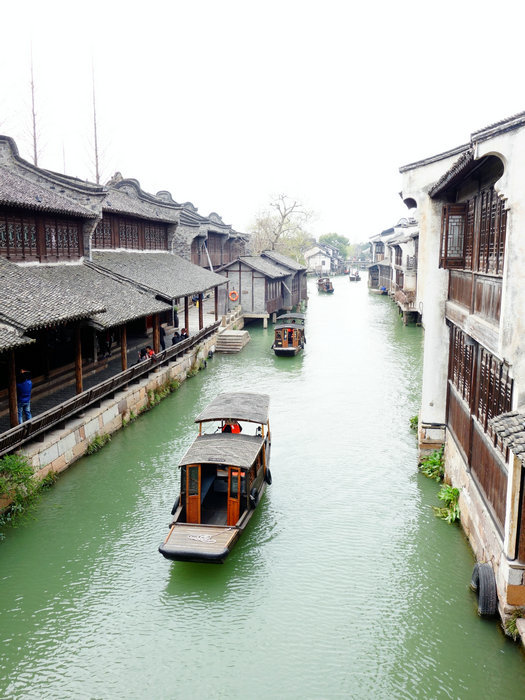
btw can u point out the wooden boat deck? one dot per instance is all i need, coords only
(199, 542)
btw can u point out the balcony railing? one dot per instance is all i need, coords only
(13, 438)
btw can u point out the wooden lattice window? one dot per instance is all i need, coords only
(18, 237)
(453, 225)
(128, 234)
(155, 237)
(495, 389)
(62, 238)
(462, 360)
(102, 237)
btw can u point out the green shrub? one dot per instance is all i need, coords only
(18, 483)
(450, 510)
(98, 443)
(511, 628)
(414, 422)
(433, 466)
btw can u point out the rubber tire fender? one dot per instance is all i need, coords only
(483, 582)
(175, 505)
(254, 497)
(268, 476)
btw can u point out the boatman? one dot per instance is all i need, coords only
(231, 426)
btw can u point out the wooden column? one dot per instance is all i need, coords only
(187, 314)
(13, 403)
(216, 294)
(124, 347)
(78, 361)
(156, 333)
(201, 316)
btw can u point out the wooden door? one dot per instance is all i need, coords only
(193, 493)
(234, 495)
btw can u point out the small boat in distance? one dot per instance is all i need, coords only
(223, 476)
(324, 285)
(289, 334)
(354, 276)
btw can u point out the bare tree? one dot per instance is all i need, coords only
(283, 221)
(33, 113)
(97, 172)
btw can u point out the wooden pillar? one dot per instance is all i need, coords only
(216, 295)
(156, 333)
(13, 403)
(187, 314)
(95, 346)
(45, 340)
(78, 361)
(201, 316)
(124, 347)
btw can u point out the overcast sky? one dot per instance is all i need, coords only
(227, 103)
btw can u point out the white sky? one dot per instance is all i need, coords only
(226, 103)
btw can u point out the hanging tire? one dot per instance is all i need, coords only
(254, 497)
(268, 476)
(483, 582)
(175, 505)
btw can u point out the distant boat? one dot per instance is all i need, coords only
(289, 335)
(354, 276)
(223, 476)
(324, 285)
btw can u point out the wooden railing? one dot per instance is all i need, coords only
(486, 300)
(13, 438)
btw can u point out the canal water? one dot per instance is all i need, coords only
(345, 585)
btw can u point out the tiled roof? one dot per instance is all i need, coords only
(167, 275)
(28, 300)
(282, 260)
(510, 427)
(122, 301)
(18, 191)
(256, 262)
(455, 172)
(11, 338)
(126, 199)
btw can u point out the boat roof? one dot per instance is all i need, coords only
(237, 406)
(230, 449)
(289, 325)
(283, 316)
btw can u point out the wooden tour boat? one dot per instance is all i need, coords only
(289, 334)
(354, 276)
(325, 285)
(223, 477)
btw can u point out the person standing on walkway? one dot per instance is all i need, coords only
(23, 393)
(162, 338)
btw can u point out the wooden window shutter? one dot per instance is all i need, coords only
(453, 225)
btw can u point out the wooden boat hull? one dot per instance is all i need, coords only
(286, 352)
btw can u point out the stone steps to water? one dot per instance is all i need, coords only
(231, 341)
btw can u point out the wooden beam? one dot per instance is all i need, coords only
(78, 361)
(13, 403)
(124, 347)
(216, 294)
(201, 316)
(187, 314)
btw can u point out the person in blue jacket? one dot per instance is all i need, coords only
(23, 392)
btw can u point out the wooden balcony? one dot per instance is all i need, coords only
(480, 294)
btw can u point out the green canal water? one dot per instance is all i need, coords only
(345, 585)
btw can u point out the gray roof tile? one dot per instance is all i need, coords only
(167, 275)
(510, 427)
(29, 300)
(18, 191)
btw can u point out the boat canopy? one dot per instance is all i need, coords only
(289, 325)
(230, 449)
(282, 317)
(253, 408)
